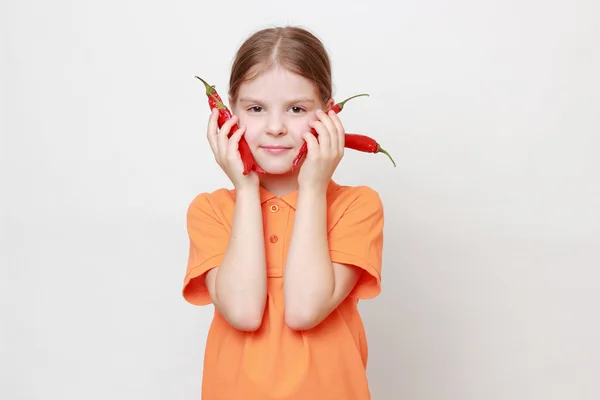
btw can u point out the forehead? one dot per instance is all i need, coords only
(278, 83)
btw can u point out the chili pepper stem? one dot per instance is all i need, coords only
(342, 103)
(210, 90)
(381, 150)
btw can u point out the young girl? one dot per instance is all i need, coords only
(284, 256)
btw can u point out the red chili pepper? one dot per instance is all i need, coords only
(336, 108)
(215, 101)
(365, 144)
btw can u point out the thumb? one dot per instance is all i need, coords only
(311, 142)
(234, 140)
(238, 133)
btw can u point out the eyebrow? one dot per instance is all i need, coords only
(297, 100)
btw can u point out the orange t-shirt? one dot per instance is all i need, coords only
(327, 362)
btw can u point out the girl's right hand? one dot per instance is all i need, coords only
(226, 151)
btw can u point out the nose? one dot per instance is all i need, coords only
(276, 125)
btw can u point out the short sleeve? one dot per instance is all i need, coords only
(208, 240)
(357, 239)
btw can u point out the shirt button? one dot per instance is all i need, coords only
(274, 208)
(273, 238)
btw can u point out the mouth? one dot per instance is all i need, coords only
(276, 149)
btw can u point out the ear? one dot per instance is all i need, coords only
(330, 104)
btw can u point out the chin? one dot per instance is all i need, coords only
(276, 167)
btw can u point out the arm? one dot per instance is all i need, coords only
(313, 285)
(238, 286)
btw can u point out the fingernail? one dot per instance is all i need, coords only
(319, 111)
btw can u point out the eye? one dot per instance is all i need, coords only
(255, 109)
(297, 110)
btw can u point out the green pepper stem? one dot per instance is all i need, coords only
(342, 103)
(381, 150)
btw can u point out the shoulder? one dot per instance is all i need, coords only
(217, 202)
(350, 207)
(346, 197)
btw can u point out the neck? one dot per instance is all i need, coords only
(281, 184)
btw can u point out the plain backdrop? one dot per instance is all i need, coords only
(491, 110)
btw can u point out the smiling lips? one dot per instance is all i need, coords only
(276, 149)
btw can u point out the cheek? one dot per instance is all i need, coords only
(299, 126)
(253, 131)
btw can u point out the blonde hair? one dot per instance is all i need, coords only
(295, 49)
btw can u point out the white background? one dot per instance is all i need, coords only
(491, 110)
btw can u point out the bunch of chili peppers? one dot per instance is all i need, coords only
(352, 140)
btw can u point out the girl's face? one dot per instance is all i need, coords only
(276, 108)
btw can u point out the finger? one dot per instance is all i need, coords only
(234, 141)
(212, 130)
(331, 129)
(321, 136)
(339, 129)
(223, 136)
(311, 144)
(324, 139)
(330, 140)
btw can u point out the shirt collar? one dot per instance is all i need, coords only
(292, 197)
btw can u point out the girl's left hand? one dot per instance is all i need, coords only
(324, 154)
